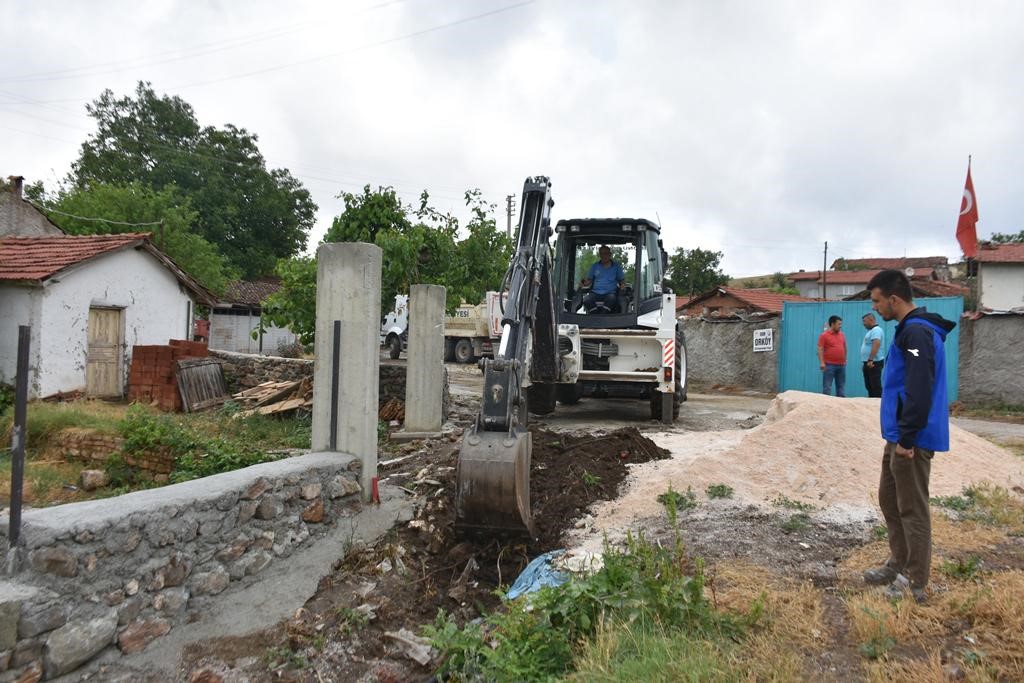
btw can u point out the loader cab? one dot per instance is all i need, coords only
(635, 245)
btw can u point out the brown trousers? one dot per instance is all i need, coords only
(903, 497)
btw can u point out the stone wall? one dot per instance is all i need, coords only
(722, 353)
(94, 448)
(120, 572)
(991, 367)
(244, 370)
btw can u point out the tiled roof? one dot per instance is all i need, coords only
(40, 258)
(849, 277)
(921, 288)
(891, 263)
(37, 259)
(251, 293)
(757, 299)
(804, 275)
(1000, 253)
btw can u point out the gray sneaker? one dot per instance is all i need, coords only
(900, 588)
(880, 576)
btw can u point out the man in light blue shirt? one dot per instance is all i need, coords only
(607, 278)
(872, 356)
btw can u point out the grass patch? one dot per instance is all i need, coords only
(962, 569)
(789, 504)
(719, 491)
(1006, 411)
(674, 501)
(799, 521)
(645, 593)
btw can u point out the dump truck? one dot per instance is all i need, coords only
(557, 343)
(469, 334)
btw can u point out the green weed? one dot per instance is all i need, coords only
(790, 504)
(719, 491)
(962, 569)
(284, 658)
(674, 501)
(350, 619)
(799, 521)
(881, 642)
(590, 479)
(880, 532)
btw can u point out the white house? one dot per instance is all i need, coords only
(1001, 276)
(89, 299)
(235, 321)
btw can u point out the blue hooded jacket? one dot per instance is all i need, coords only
(915, 408)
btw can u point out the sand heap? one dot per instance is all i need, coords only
(812, 448)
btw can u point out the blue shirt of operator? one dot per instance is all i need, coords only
(605, 279)
(869, 338)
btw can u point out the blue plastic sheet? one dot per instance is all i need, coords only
(539, 573)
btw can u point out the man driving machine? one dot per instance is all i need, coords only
(605, 278)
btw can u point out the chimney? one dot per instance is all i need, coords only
(16, 183)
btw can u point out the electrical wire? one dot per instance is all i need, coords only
(85, 218)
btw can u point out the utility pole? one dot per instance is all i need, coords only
(824, 273)
(510, 209)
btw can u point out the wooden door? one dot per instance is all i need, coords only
(103, 362)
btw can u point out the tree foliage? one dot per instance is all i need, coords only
(420, 246)
(692, 271)
(136, 203)
(254, 215)
(1007, 238)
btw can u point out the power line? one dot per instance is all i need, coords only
(94, 220)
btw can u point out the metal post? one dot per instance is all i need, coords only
(18, 436)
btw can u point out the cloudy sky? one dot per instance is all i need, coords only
(760, 129)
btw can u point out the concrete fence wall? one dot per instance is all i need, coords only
(722, 353)
(120, 572)
(991, 361)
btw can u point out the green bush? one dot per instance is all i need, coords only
(719, 491)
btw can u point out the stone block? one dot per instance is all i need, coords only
(311, 490)
(233, 551)
(28, 651)
(211, 582)
(269, 508)
(246, 510)
(12, 597)
(314, 514)
(58, 561)
(130, 609)
(171, 600)
(138, 635)
(90, 480)
(40, 619)
(77, 642)
(257, 489)
(341, 485)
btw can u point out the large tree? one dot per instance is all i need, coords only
(427, 251)
(1007, 238)
(119, 205)
(692, 271)
(254, 215)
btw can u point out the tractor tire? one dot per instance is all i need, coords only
(540, 398)
(463, 351)
(449, 349)
(679, 395)
(569, 394)
(394, 344)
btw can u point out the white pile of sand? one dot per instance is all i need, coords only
(811, 448)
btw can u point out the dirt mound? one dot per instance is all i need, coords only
(422, 566)
(811, 448)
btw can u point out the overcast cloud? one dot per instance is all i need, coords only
(761, 129)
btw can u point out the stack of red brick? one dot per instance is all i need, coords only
(152, 378)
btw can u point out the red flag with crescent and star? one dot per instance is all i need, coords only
(966, 226)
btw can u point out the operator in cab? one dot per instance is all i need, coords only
(605, 278)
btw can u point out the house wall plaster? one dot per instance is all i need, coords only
(1001, 285)
(156, 309)
(19, 306)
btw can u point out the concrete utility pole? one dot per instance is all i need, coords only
(824, 273)
(424, 381)
(346, 372)
(510, 209)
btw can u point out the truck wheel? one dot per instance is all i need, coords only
(463, 351)
(449, 349)
(540, 398)
(569, 394)
(394, 346)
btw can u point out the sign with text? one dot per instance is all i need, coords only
(764, 340)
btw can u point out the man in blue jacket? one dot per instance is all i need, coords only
(915, 424)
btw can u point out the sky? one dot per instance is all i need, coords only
(758, 129)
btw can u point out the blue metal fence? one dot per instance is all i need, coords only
(803, 322)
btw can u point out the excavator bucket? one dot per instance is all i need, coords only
(493, 483)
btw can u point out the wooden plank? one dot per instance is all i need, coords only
(201, 383)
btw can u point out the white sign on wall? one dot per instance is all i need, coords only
(763, 340)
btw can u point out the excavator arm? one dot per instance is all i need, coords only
(493, 487)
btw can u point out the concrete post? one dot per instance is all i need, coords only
(424, 378)
(346, 372)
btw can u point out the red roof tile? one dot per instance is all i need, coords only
(40, 258)
(1000, 253)
(891, 263)
(251, 293)
(756, 298)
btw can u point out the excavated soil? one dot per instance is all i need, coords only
(423, 566)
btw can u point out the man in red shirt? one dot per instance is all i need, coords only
(832, 357)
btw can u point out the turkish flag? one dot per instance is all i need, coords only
(966, 226)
